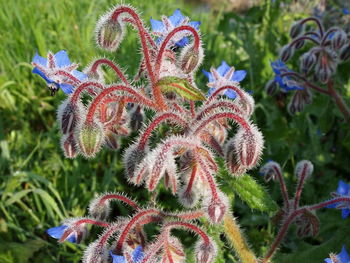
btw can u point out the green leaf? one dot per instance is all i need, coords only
(20, 252)
(181, 87)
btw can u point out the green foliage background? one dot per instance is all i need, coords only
(39, 187)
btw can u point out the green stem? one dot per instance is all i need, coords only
(237, 241)
(339, 101)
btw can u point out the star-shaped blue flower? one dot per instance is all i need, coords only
(342, 190)
(57, 232)
(342, 257)
(224, 73)
(137, 256)
(286, 83)
(162, 28)
(47, 67)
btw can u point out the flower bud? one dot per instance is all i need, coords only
(99, 208)
(69, 146)
(249, 146)
(286, 53)
(112, 138)
(307, 61)
(299, 44)
(299, 100)
(188, 197)
(90, 138)
(190, 59)
(232, 163)
(68, 115)
(95, 253)
(174, 251)
(271, 87)
(133, 156)
(109, 33)
(136, 118)
(308, 224)
(205, 252)
(345, 52)
(304, 169)
(216, 207)
(270, 170)
(324, 74)
(297, 29)
(339, 39)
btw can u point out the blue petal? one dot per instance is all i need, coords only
(328, 260)
(57, 232)
(332, 205)
(343, 188)
(346, 11)
(137, 255)
(41, 74)
(183, 42)
(230, 94)
(195, 24)
(345, 213)
(277, 66)
(79, 75)
(157, 26)
(66, 88)
(62, 59)
(40, 60)
(117, 258)
(208, 75)
(344, 256)
(223, 68)
(210, 91)
(239, 75)
(176, 18)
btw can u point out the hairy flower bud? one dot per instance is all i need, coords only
(271, 87)
(249, 146)
(99, 208)
(109, 32)
(307, 61)
(297, 29)
(216, 207)
(112, 138)
(299, 44)
(308, 224)
(136, 118)
(270, 170)
(299, 100)
(133, 156)
(232, 163)
(188, 197)
(190, 59)
(95, 253)
(345, 52)
(339, 39)
(69, 146)
(90, 138)
(205, 252)
(304, 169)
(68, 115)
(286, 53)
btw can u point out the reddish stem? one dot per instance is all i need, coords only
(320, 27)
(339, 101)
(295, 41)
(83, 87)
(119, 197)
(192, 178)
(104, 61)
(284, 190)
(234, 88)
(213, 106)
(154, 124)
(190, 226)
(300, 187)
(68, 75)
(192, 108)
(228, 115)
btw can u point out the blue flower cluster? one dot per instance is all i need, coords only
(286, 83)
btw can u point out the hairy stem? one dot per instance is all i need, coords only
(339, 101)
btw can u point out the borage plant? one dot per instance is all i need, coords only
(96, 114)
(318, 64)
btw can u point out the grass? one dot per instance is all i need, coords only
(39, 187)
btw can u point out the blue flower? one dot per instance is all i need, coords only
(164, 27)
(224, 73)
(286, 83)
(346, 11)
(137, 256)
(48, 67)
(57, 232)
(342, 190)
(342, 257)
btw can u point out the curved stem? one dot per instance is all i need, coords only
(238, 242)
(339, 101)
(234, 88)
(284, 190)
(228, 115)
(164, 117)
(295, 41)
(190, 226)
(309, 84)
(318, 23)
(74, 80)
(327, 35)
(213, 106)
(83, 87)
(120, 198)
(299, 187)
(104, 61)
(168, 38)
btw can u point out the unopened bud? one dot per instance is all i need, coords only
(216, 207)
(90, 139)
(190, 59)
(99, 208)
(271, 87)
(286, 53)
(136, 118)
(68, 115)
(324, 74)
(345, 52)
(205, 251)
(112, 138)
(133, 156)
(304, 169)
(297, 29)
(109, 33)
(232, 163)
(270, 170)
(307, 61)
(339, 39)
(95, 253)
(299, 100)
(249, 146)
(299, 44)
(188, 197)
(69, 146)
(308, 224)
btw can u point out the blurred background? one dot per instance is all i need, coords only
(39, 187)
